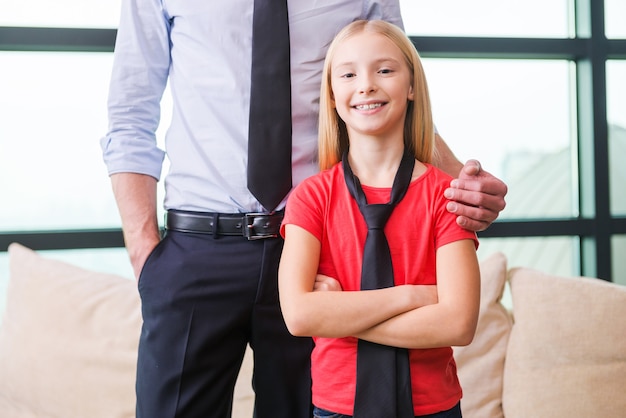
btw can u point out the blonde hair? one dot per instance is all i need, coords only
(419, 136)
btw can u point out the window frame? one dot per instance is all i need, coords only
(588, 49)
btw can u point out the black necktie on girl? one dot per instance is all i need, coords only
(269, 137)
(383, 380)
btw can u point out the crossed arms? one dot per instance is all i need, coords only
(409, 316)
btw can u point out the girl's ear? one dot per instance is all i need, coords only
(332, 100)
(410, 96)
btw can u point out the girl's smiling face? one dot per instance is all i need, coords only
(371, 85)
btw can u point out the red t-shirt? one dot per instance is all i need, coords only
(419, 225)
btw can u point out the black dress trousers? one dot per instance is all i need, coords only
(203, 299)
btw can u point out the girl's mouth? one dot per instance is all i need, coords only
(368, 106)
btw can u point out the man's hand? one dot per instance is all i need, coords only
(135, 195)
(139, 253)
(476, 197)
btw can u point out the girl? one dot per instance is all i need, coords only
(376, 129)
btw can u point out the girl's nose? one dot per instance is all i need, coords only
(367, 85)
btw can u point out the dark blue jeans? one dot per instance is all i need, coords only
(455, 412)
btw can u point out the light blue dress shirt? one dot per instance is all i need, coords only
(203, 47)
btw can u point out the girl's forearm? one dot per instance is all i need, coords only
(428, 327)
(333, 314)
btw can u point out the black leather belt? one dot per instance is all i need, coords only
(250, 225)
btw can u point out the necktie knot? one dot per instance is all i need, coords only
(376, 215)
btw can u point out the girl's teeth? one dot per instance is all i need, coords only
(368, 107)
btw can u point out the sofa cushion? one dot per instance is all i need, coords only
(68, 341)
(480, 365)
(567, 351)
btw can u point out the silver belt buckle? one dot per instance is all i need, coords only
(257, 226)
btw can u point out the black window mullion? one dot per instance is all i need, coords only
(64, 240)
(593, 140)
(500, 48)
(57, 39)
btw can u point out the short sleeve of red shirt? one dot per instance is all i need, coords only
(305, 206)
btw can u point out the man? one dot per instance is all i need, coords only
(206, 289)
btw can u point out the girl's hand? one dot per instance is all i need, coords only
(326, 284)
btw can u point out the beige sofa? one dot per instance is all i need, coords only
(68, 342)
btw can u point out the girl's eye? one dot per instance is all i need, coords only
(348, 75)
(385, 71)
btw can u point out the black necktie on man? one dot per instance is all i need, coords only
(269, 139)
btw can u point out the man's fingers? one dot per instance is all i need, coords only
(476, 197)
(471, 168)
(468, 197)
(484, 184)
(471, 224)
(475, 213)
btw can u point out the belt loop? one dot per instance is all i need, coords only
(216, 218)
